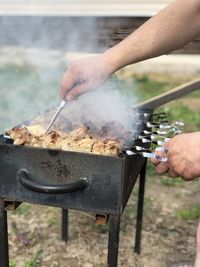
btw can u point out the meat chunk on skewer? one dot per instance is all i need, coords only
(79, 140)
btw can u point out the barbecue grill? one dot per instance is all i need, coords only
(69, 180)
(72, 180)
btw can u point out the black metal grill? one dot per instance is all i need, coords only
(71, 180)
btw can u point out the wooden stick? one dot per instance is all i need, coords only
(171, 95)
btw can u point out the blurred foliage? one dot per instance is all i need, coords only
(33, 261)
(144, 87)
(12, 264)
(172, 181)
(23, 209)
(190, 214)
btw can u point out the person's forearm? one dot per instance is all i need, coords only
(169, 30)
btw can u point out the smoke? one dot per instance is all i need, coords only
(32, 63)
(103, 106)
(50, 32)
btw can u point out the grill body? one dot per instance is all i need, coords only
(27, 174)
(110, 179)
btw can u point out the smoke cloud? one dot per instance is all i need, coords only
(101, 107)
(32, 63)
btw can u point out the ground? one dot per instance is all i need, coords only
(172, 207)
(168, 231)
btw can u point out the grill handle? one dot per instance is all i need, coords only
(26, 181)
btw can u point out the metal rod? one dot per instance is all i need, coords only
(64, 226)
(4, 254)
(113, 241)
(171, 95)
(140, 209)
(59, 109)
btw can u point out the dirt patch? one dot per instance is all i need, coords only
(166, 238)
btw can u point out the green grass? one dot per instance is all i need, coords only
(33, 261)
(144, 87)
(190, 214)
(151, 169)
(172, 181)
(12, 264)
(131, 210)
(183, 113)
(23, 209)
(51, 221)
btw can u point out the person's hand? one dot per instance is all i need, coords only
(84, 75)
(183, 157)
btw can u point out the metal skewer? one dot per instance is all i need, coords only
(161, 149)
(59, 109)
(147, 155)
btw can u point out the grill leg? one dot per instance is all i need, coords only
(140, 209)
(64, 226)
(4, 258)
(113, 240)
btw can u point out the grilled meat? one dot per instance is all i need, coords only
(80, 140)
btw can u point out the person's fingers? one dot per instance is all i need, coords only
(77, 91)
(162, 168)
(172, 174)
(67, 83)
(154, 161)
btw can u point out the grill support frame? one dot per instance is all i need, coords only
(114, 228)
(139, 219)
(113, 240)
(4, 250)
(64, 225)
(111, 178)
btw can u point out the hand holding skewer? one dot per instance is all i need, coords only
(183, 152)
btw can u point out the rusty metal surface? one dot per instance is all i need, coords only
(111, 179)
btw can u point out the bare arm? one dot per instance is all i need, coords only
(170, 29)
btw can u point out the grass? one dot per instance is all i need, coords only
(33, 261)
(172, 182)
(144, 87)
(51, 221)
(151, 169)
(183, 113)
(12, 264)
(23, 209)
(131, 209)
(190, 214)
